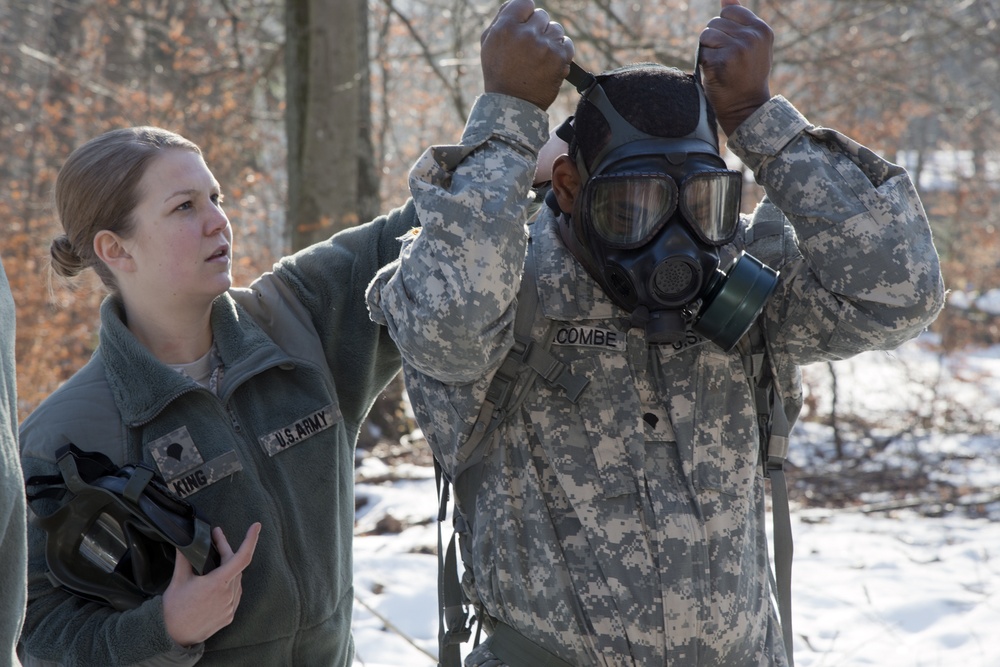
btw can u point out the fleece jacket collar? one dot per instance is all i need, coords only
(143, 386)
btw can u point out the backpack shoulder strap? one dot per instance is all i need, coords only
(454, 624)
(526, 361)
(775, 429)
(526, 354)
(766, 235)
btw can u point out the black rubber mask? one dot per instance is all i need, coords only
(648, 226)
(114, 536)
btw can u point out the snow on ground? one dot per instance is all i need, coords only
(896, 592)
(888, 588)
(899, 591)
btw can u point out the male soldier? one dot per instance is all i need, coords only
(13, 547)
(623, 526)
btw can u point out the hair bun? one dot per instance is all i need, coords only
(65, 260)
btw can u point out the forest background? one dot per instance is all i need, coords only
(310, 113)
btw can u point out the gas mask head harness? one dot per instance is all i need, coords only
(650, 219)
(113, 537)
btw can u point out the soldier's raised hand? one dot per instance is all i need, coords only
(736, 63)
(525, 54)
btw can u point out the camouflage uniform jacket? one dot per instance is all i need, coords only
(628, 529)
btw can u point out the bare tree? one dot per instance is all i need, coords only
(327, 110)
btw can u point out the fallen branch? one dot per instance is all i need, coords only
(391, 626)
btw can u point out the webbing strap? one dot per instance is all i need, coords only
(525, 353)
(554, 372)
(453, 612)
(777, 452)
(775, 431)
(141, 476)
(783, 549)
(770, 221)
(500, 401)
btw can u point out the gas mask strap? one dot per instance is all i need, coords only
(697, 66)
(622, 132)
(581, 79)
(68, 467)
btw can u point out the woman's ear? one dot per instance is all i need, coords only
(565, 182)
(110, 249)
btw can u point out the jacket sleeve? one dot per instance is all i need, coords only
(329, 279)
(448, 301)
(860, 271)
(12, 535)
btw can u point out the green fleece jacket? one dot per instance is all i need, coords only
(302, 364)
(12, 539)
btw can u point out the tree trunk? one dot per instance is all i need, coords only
(838, 437)
(327, 112)
(332, 181)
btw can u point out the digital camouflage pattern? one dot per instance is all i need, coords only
(628, 529)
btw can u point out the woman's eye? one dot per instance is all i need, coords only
(218, 199)
(185, 206)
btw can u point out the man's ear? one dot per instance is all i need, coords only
(565, 182)
(110, 249)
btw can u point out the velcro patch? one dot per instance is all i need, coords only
(183, 467)
(175, 453)
(296, 432)
(218, 468)
(580, 336)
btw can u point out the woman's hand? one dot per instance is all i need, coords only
(196, 607)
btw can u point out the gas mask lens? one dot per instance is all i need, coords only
(104, 543)
(626, 210)
(710, 200)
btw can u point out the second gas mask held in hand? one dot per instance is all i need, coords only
(648, 226)
(113, 533)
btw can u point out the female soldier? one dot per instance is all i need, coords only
(203, 382)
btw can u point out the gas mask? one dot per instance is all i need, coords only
(114, 536)
(649, 222)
